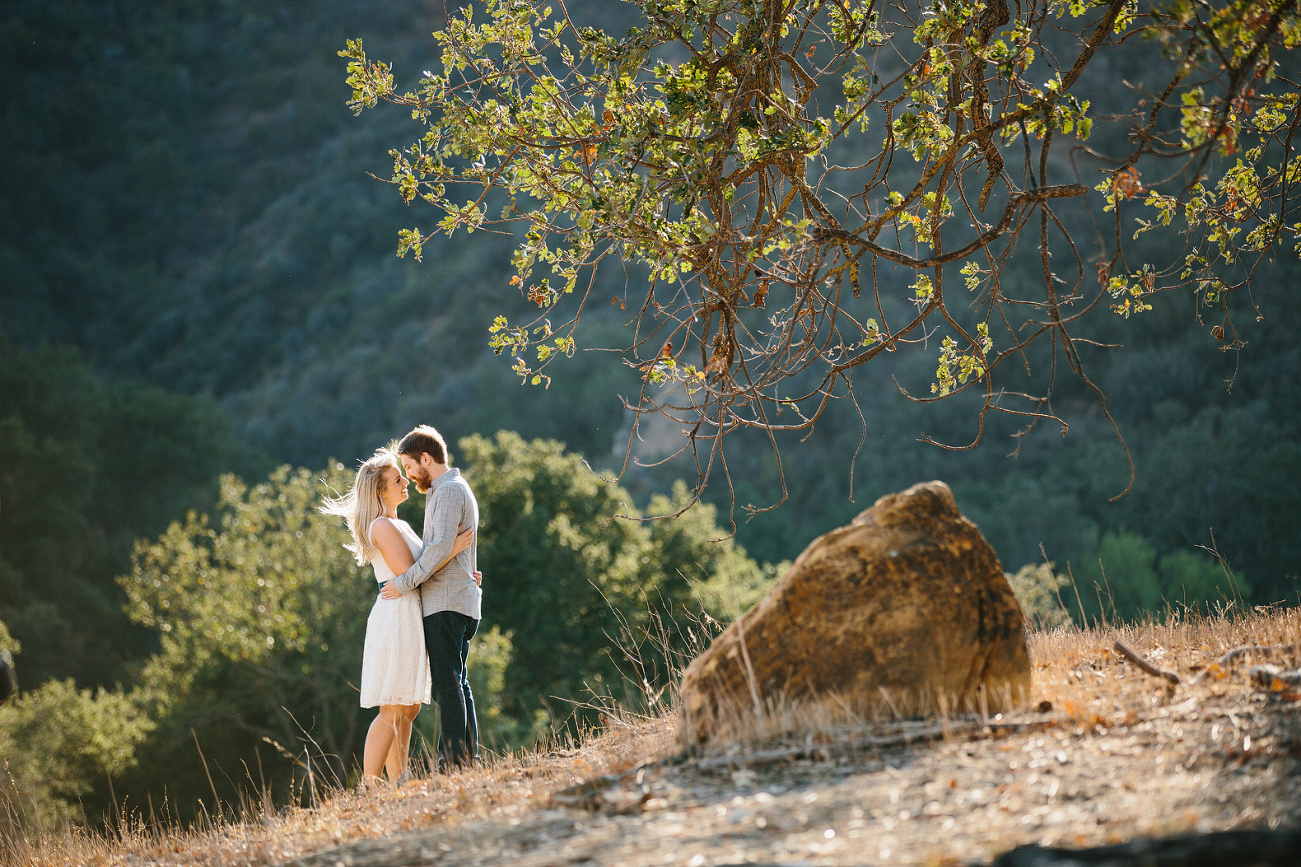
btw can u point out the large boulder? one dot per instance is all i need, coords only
(905, 611)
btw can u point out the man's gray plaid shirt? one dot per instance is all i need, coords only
(449, 508)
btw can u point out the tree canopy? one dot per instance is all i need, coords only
(802, 185)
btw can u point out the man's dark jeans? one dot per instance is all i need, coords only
(447, 639)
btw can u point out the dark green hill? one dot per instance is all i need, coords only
(189, 202)
(87, 467)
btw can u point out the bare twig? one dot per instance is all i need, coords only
(1142, 663)
(215, 797)
(749, 670)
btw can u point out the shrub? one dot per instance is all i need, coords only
(56, 743)
(1038, 589)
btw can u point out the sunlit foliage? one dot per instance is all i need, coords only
(809, 184)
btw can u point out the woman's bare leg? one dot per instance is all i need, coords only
(379, 740)
(397, 753)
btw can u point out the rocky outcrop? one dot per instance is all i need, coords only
(905, 611)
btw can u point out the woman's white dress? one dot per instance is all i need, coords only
(394, 665)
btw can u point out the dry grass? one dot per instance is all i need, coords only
(1099, 703)
(1084, 677)
(505, 788)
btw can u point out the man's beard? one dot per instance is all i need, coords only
(422, 478)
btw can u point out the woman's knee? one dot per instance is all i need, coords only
(392, 714)
(399, 714)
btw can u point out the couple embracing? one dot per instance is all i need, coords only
(429, 606)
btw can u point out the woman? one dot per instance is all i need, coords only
(394, 668)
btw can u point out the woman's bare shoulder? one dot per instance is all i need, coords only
(383, 528)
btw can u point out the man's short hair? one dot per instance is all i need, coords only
(424, 440)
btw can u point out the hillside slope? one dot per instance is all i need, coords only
(1117, 757)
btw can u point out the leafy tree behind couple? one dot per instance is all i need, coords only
(260, 613)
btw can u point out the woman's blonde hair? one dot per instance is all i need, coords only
(362, 505)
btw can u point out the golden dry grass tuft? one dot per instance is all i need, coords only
(1105, 752)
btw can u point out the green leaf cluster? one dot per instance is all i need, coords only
(724, 148)
(1039, 589)
(260, 614)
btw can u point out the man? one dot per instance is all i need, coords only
(450, 598)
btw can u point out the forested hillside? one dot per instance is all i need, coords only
(197, 276)
(190, 206)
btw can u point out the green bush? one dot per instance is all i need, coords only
(712, 572)
(1125, 579)
(1120, 579)
(261, 616)
(598, 601)
(1199, 582)
(57, 743)
(1038, 589)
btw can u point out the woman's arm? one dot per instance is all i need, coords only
(463, 540)
(386, 537)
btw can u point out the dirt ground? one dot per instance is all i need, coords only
(1118, 756)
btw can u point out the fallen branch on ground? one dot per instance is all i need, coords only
(1242, 650)
(1142, 663)
(1272, 677)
